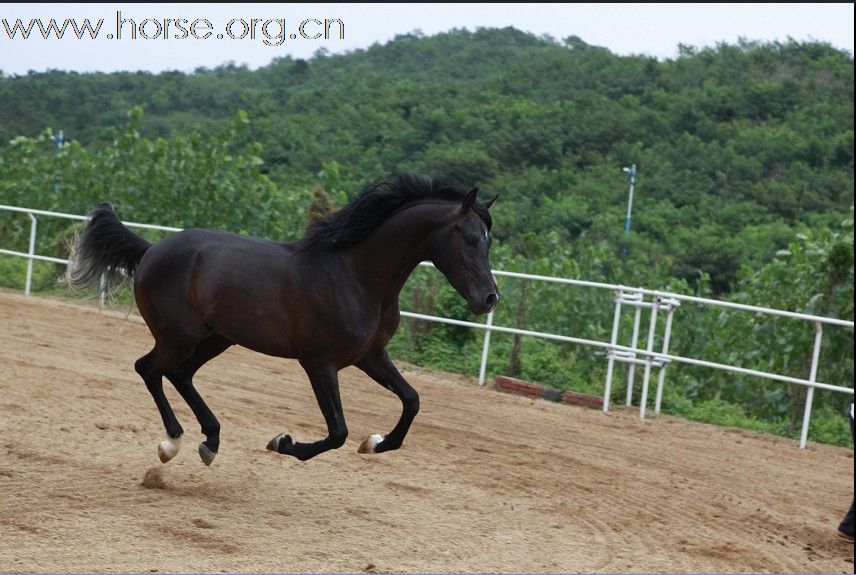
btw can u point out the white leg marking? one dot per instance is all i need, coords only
(168, 448)
(369, 445)
(273, 444)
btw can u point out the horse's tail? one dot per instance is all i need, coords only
(106, 249)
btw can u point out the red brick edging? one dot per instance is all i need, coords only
(534, 390)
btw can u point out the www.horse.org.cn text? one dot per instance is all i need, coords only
(269, 31)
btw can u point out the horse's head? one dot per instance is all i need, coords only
(460, 250)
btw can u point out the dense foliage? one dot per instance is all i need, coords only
(745, 186)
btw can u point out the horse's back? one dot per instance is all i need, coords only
(177, 258)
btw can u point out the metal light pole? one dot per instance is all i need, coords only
(58, 140)
(631, 177)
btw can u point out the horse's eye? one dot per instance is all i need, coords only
(471, 240)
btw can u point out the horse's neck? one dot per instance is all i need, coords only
(385, 260)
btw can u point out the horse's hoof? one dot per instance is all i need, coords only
(369, 445)
(168, 448)
(282, 438)
(205, 454)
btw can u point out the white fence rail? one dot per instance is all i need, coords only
(649, 358)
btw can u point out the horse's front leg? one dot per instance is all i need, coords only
(380, 368)
(325, 384)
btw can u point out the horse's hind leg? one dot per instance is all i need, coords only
(182, 378)
(151, 367)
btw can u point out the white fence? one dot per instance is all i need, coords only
(635, 298)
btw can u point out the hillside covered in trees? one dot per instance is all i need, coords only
(744, 190)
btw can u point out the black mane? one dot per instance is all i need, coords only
(377, 202)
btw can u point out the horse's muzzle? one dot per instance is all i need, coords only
(491, 301)
(486, 305)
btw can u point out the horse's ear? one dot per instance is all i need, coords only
(469, 200)
(487, 205)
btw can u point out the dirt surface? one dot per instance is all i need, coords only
(485, 481)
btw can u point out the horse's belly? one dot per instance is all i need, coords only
(257, 334)
(251, 320)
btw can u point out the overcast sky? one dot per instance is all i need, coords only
(651, 29)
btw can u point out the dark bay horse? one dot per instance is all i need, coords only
(329, 300)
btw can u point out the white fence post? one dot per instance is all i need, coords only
(102, 291)
(661, 377)
(631, 367)
(485, 348)
(29, 282)
(809, 396)
(610, 365)
(652, 328)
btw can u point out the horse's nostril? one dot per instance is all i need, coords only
(492, 299)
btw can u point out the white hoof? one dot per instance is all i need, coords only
(284, 438)
(168, 448)
(369, 445)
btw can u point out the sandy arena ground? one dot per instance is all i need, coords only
(485, 481)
